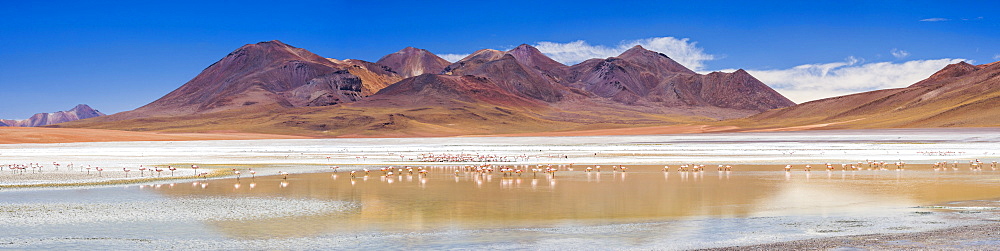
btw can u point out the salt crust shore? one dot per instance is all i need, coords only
(917, 146)
(178, 209)
(975, 237)
(616, 237)
(959, 227)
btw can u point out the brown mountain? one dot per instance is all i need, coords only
(960, 95)
(42, 119)
(265, 74)
(410, 62)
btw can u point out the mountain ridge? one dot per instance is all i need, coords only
(272, 87)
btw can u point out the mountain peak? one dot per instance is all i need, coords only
(267, 44)
(524, 46)
(81, 108)
(653, 59)
(951, 71)
(535, 59)
(410, 62)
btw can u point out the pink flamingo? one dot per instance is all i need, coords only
(126, 171)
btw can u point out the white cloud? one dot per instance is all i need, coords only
(681, 50)
(899, 53)
(816, 81)
(936, 19)
(453, 57)
(997, 56)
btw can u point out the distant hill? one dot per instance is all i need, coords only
(43, 119)
(960, 95)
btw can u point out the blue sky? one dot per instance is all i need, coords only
(117, 56)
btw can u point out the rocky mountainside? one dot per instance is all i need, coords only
(43, 119)
(960, 95)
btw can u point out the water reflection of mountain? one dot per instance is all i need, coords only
(443, 201)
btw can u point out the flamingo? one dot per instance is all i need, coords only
(788, 168)
(237, 173)
(126, 170)
(253, 174)
(284, 174)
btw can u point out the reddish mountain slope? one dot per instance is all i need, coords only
(959, 95)
(42, 119)
(410, 62)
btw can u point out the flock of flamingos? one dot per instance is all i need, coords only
(485, 169)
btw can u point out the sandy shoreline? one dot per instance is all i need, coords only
(40, 135)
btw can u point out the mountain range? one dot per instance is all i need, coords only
(42, 119)
(272, 87)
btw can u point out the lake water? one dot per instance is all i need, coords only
(643, 208)
(446, 201)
